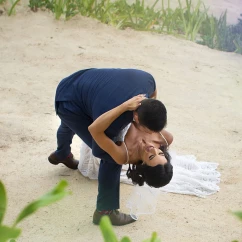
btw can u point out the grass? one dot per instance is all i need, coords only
(192, 18)
(12, 9)
(11, 232)
(109, 234)
(192, 22)
(217, 34)
(13, 4)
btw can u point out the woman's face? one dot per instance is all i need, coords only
(151, 155)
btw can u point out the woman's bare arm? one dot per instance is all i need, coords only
(98, 127)
(154, 94)
(167, 136)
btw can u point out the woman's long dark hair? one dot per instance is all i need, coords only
(154, 176)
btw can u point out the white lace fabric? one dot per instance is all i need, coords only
(191, 177)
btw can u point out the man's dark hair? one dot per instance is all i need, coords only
(152, 114)
(154, 176)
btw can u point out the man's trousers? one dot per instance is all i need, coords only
(109, 170)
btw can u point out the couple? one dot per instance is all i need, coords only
(98, 105)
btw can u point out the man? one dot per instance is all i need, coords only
(84, 96)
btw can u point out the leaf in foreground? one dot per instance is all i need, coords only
(54, 195)
(6, 233)
(238, 214)
(3, 201)
(154, 238)
(125, 239)
(107, 230)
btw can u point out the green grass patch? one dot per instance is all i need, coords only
(190, 21)
(11, 232)
(110, 236)
(217, 34)
(13, 5)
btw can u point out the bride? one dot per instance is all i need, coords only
(146, 154)
(143, 149)
(191, 177)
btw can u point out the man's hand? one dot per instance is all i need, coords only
(133, 103)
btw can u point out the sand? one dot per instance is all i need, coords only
(201, 88)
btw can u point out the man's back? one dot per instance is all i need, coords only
(95, 91)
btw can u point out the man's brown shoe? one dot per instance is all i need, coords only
(69, 161)
(115, 216)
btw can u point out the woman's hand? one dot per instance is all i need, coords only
(133, 103)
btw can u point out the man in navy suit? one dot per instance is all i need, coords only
(84, 96)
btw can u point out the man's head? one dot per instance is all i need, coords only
(151, 114)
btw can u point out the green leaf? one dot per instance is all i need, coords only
(154, 238)
(54, 195)
(12, 8)
(238, 214)
(3, 201)
(107, 230)
(7, 233)
(125, 239)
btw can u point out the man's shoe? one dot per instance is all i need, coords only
(69, 161)
(115, 216)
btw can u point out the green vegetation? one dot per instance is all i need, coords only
(188, 21)
(110, 236)
(191, 22)
(11, 232)
(238, 214)
(13, 5)
(216, 34)
(192, 19)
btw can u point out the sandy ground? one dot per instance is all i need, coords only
(202, 91)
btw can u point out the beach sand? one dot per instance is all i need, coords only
(201, 88)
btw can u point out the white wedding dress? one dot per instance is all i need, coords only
(191, 177)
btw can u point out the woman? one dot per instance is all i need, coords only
(144, 150)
